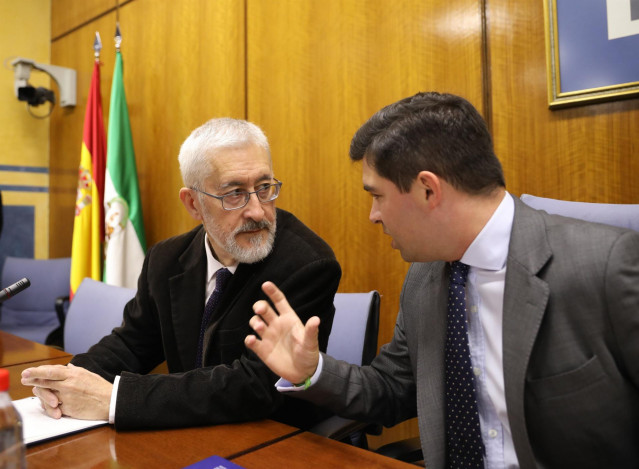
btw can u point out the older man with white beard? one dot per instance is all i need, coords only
(194, 302)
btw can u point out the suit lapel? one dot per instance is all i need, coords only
(187, 299)
(432, 304)
(525, 300)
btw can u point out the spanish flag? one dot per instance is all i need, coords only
(88, 226)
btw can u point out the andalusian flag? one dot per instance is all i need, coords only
(126, 244)
(88, 226)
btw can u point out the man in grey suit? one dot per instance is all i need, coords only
(552, 306)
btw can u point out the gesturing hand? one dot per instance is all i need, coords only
(289, 348)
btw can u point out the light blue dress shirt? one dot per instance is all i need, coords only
(487, 257)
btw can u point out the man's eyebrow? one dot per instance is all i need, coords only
(226, 185)
(368, 188)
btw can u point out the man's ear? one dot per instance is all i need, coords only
(431, 185)
(191, 204)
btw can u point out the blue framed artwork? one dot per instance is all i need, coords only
(592, 50)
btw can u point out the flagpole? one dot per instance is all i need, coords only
(118, 36)
(88, 224)
(126, 240)
(97, 46)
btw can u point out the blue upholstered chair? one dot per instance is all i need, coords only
(95, 310)
(623, 215)
(355, 326)
(353, 339)
(31, 314)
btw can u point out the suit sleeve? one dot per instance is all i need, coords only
(136, 345)
(622, 291)
(242, 390)
(383, 392)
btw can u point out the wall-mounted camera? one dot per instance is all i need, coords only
(64, 77)
(35, 96)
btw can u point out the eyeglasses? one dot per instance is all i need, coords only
(238, 199)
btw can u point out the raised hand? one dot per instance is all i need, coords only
(288, 347)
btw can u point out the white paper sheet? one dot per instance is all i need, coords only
(37, 425)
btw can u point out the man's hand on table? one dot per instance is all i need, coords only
(70, 390)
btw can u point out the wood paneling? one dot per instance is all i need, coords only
(584, 153)
(183, 64)
(316, 72)
(67, 15)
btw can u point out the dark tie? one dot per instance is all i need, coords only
(221, 277)
(464, 446)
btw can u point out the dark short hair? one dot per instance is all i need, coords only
(436, 132)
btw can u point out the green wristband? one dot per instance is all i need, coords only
(306, 384)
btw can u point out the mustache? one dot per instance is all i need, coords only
(253, 225)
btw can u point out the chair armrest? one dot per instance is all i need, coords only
(337, 428)
(59, 308)
(352, 432)
(409, 450)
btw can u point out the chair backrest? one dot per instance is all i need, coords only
(355, 326)
(622, 215)
(31, 314)
(95, 310)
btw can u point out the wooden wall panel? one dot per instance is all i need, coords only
(67, 15)
(584, 153)
(183, 64)
(316, 72)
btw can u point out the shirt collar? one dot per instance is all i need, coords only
(489, 250)
(212, 264)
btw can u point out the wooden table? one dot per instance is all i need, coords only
(310, 451)
(15, 350)
(265, 444)
(17, 354)
(156, 449)
(262, 444)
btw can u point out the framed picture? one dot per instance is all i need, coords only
(592, 50)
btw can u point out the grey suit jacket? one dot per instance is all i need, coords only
(570, 344)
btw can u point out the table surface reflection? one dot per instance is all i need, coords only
(15, 350)
(310, 451)
(104, 447)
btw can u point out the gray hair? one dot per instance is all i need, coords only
(213, 135)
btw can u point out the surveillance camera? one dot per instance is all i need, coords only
(35, 96)
(64, 77)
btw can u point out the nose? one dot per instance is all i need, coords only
(374, 215)
(254, 208)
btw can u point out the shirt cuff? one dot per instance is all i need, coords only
(283, 385)
(114, 394)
